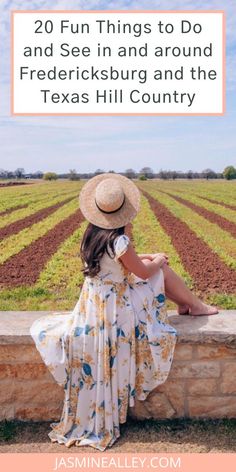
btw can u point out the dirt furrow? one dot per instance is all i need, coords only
(14, 184)
(19, 225)
(226, 205)
(222, 222)
(24, 268)
(11, 210)
(209, 272)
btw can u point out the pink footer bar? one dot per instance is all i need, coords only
(187, 462)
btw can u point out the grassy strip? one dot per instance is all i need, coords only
(222, 191)
(41, 298)
(228, 302)
(217, 209)
(35, 206)
(12, 195)
(218, 240)
(26, 299)
(149, 236)
(63, 275)
(13, 244)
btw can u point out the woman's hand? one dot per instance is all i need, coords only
(161, 259)
(162, 255)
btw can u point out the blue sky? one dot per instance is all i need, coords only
(88, 143)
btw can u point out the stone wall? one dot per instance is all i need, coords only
(201, 383)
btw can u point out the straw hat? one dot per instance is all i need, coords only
(109, 200)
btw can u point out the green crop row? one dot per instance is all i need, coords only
(37, 204)
(217, 239)
(221, 191)
(15, 243)
(214, 208)
(150, 237)
(14, 196)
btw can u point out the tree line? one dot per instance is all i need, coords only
(145, 173)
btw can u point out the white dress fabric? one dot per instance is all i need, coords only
(115, 346)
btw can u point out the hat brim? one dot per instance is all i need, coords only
(118, 219)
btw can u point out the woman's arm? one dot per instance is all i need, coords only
(143, 269)
(146, 256)
(151, 256)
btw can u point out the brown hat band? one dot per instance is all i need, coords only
(113, 211)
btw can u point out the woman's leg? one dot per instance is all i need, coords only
(182, 309)
(177, 291)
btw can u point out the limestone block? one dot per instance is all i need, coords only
(200, 387)
(215, 352)
(139, 411)
(24, 371)
(7, 393)
(212, 407)
(19, 353)
(39, 393)
(155, 406)
(7, 412)
(40, 413)
(175, 392)
(159, 406)
(183, 352)
(228, 384)
(199, 369)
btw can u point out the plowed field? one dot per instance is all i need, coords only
(41, 228)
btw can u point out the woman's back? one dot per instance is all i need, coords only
(110, 266)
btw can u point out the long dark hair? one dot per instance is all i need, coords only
(95, 243)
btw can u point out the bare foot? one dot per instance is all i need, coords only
(183, 309)
(203, 309)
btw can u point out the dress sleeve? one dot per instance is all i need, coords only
(121, 245)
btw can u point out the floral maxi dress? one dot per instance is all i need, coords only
(114, 346)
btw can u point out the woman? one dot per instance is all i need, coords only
(117, 344)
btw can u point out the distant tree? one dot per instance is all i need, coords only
(196, 175)
(174, 174)
(19, 172)
(163, 174)
(190, 174)
(147, 172)
(73, 175)
(38, 174)
(85, 176)
(3, 174)
(10, 174)
(229, 173)
(209, 174)
(130, 173)
(50, 176)
(180, 174)
(98, 172)
(142, 177)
